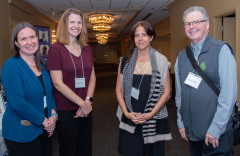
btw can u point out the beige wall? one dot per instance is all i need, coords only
(162, 28)
(162, 42)
(22, 11)
(13, 13)
(163, 45)
(215, 8)
(5, 32)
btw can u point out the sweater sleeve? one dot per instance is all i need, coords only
(13, 87)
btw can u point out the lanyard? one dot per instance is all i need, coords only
(74, 63)
(143, 75)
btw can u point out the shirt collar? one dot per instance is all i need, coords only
(199, 45)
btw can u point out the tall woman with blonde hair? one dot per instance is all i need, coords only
(71, 68)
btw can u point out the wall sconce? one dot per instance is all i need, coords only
(53, 36)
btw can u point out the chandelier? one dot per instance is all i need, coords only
(101, 23)
(101, 27)
(101, 35)
(102, 41)
(102, 38)
(101, 19)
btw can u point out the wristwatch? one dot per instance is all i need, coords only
(89, 98)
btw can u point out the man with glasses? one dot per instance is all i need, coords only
(204, 119)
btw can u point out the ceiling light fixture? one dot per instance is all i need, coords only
(101, 35)
(64, 6)
(136, 6)
(101, 27)
(53, 13)
(101, 23)
(101, 19)
(102, 41)
(102, 38)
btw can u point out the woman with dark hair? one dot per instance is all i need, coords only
(143, 88)
(30, 116)
(72, 71)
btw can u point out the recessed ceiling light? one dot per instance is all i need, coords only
(53, 13)
(136, 6)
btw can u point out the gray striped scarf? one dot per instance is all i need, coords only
(128, 75)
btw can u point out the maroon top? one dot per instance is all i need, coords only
(59, 59)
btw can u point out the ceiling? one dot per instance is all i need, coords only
(126, 12)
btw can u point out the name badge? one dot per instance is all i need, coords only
(79, 82)
(45, 101)
(193, 80)
(135, 93)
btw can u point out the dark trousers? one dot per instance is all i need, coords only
(199, 148)
(41, 146)
(156, 149)
(46, 144)
(133, 144)
(74, 134)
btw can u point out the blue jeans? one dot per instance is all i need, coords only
(225, 148)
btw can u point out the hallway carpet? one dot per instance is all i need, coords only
(105, 122)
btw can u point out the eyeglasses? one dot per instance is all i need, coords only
(193, 23)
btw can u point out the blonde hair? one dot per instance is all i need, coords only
(62, 29)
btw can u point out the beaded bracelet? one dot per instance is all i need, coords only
(55, 114)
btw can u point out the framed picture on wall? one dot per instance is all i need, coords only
(44, 40)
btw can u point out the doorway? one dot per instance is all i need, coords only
(226, 29)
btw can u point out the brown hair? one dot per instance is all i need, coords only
(149, 30)
(62, 29)
(15, 49)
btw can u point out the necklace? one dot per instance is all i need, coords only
(31, 66)
(30, 60)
